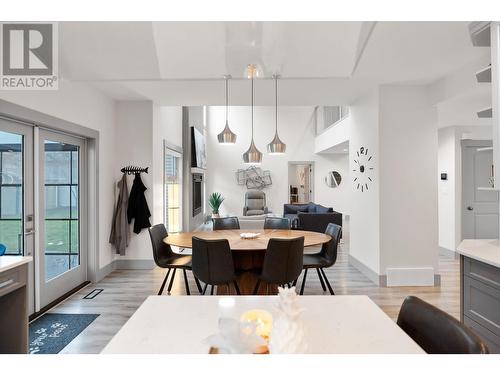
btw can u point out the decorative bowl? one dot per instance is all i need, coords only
(249, 235)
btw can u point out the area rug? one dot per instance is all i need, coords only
(50, 333)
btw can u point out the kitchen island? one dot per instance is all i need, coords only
(13, 304)
(480, 289)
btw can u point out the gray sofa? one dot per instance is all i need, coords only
(311, 216)
(255, 203)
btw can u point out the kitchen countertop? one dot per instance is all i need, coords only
(486, 251)
(333, 324)
(8, 262)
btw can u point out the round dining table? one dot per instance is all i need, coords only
(248, 254)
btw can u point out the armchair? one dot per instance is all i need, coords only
(255, 203)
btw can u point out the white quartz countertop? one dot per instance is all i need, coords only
(8, 262)
(333, 324)
(486, 251)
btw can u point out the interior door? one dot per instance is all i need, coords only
(61, 239)
(16, 195)
(480, 202)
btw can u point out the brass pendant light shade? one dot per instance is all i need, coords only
(226, 136)
(252, 155)
(276, 146)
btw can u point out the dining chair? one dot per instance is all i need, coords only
(276, 223)
(324, 259)
(282, 261)
(436, 331)
(164, 257)
(226, 223)
(213, 263)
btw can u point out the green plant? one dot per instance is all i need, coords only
(215, 200)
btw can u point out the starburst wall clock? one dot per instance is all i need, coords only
(363, 164)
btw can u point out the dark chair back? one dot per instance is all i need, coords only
(329, 249)
(283, 260)
(436, 331)
(226, 223)
(161, 251)
(276, 223)
(212, 261)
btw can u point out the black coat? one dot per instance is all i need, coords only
(137, 206)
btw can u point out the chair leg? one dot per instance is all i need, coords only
(321, 280)
(288, 285)
(197, 283)
(212, 290)
(295, 282)
(303, 282)
(164, 282)
(186, 282)
(327, 282)
(204, 289)
(256, 289)
(236, 287)
(171, 281)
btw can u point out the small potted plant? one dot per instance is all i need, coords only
(215, 200)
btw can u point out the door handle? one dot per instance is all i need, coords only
(470, 208)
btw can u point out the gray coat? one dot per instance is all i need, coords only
(120, 229)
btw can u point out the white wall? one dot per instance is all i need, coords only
(408, 190)
(365, 209)
(296, 128)
(134, 145)
(86, 106)
(448, 163)
(167, 126)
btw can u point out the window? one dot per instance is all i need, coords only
(11, 192)
(173, 190)
(62, 209)
(329, 115)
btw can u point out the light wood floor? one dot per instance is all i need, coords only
(125, 290)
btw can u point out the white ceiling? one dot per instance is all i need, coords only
(181, 63)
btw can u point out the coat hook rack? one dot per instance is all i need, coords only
(132, 169)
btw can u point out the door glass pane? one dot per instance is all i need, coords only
(11, 192)
(172, 191)
(62, 213)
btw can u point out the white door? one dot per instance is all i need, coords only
(16, 195)
(61, 239)
(480, 203)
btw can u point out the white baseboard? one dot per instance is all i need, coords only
(423, 276)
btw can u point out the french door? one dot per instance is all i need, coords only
(43, 207)
(62, 263)
(16, 195)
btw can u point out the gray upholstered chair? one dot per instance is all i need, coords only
(255, 203)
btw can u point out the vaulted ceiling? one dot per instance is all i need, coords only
(182, 63)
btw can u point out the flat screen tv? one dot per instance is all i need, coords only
(198, 152)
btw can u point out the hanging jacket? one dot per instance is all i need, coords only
(120, 230)
(137, 206)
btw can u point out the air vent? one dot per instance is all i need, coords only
(484, 75)
(485, 113)
(480, 34)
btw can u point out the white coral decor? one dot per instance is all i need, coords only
(287, 335)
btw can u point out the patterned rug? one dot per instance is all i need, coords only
(50, 333)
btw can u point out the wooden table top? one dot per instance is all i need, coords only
(184, 239)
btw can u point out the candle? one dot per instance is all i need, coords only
(262, 319)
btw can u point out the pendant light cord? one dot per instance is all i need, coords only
(276, 100)
(227, 98)
(252, 105)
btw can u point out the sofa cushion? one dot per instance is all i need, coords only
(322, 209)
(254, 212)
(294, 208)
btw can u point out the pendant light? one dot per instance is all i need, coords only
(226, 136)
(276, 146)
(252, 155)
